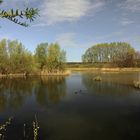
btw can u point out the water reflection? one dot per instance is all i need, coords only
(14, 92)
(50, 89)
(112, 84)
(100, 110)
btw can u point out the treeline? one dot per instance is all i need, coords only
(15, 58)
(120, 54)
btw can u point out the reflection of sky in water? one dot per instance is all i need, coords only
(73, 107)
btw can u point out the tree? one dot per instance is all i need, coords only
(3, 57)
(56, 58)
(126, 59)
(15, 58)
(17, 16)
(137, 55)
(116, 52)
(20, 59)
(41, 55)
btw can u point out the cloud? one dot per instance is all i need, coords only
(55, 11)
(131, 5)
(67, 40)
(129, 10)
(21, 4)
(126, 21)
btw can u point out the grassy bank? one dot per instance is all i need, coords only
(105, 67)
(97, 65)
(69, 70)
(43, 73)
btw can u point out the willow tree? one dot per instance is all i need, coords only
(20, 17)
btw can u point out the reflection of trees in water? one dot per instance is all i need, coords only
(51, 89)
(13, 92)
(105, 87)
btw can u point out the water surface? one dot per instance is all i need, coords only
(72, 108)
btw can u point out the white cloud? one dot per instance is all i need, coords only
(54, 11)
(126, 21)
(67, 40)
(132, 5)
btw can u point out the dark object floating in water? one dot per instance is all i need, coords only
(137, 84)
(79, 92)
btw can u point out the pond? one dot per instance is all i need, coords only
(71, 108)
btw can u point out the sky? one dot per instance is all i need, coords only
(75, 24)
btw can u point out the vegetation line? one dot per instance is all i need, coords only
(50, 59)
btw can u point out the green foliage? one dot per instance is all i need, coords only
(56, 58)
(120, 53)
(1, 1)
(41, 55)
(14, 58)
(3, 57)
(20, 58)
(29, 14)
(50, 57)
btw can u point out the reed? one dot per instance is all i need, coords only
(4, 126)
(35, 128)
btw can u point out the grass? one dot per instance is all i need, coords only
(108, 67)
(105, 69)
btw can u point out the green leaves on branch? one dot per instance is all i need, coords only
(29, 14)
(1, 1)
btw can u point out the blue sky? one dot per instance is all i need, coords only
(76, 24)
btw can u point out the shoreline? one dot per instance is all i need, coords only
(106, 69)
(22, 75)
(70, 70)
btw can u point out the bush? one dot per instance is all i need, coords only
(98, 78)
(137, 84)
